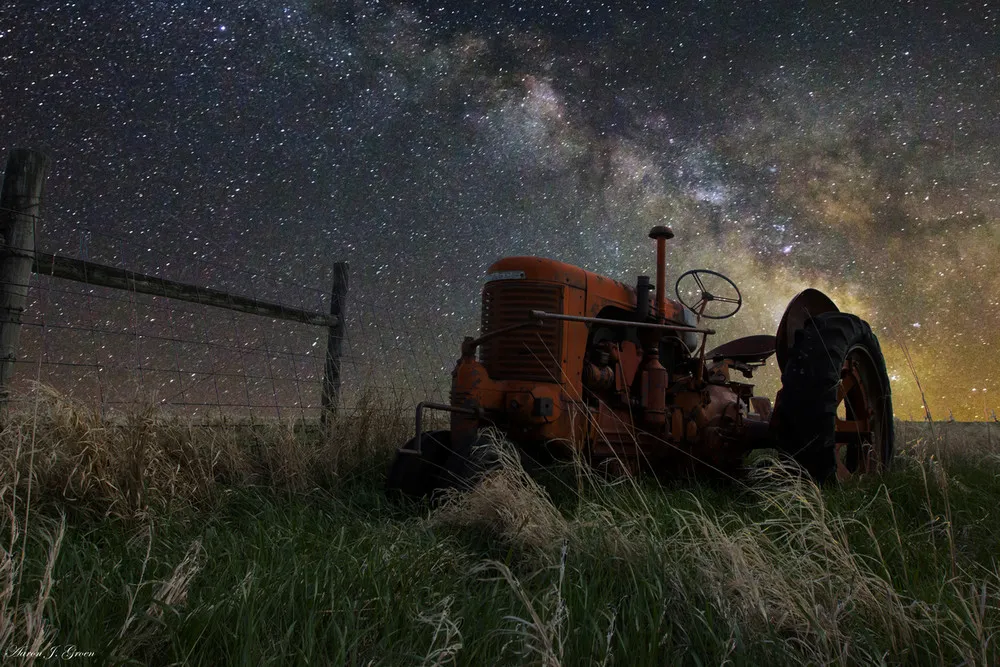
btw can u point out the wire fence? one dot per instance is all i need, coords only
(115, 349)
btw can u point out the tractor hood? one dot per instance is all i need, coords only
(538, 268)
(550, 270)
(601, 291)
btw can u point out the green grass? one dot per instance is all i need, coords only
(901, 569)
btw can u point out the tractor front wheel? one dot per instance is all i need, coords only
(471, 458)
(417, 473)
(442, 462)
(833, 414)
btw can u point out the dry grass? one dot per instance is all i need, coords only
(787, 567)
(22, 613)
(948, 440)
(143, 631)
(795, 574)
(138, 467)
(540, 634)
(446, 642)
(507, 502)
(60, 449)
(820, 584)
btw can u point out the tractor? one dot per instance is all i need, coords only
(571, 363)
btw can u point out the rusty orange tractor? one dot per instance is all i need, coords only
(567, 359)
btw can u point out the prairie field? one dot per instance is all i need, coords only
(151, 540)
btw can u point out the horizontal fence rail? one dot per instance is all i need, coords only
(101, 275)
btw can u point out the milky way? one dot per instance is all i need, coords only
(843, 148)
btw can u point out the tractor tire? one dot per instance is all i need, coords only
(419, 475)
(835, 365)
(468, 462)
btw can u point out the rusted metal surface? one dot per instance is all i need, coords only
(541, 270)
(615, 379)
(707, 297)
(428, 405)
(469, 345)
(856, 449)
(620, 389)
(654, 391)
(762, 406)
(523, 354)
(598, 377)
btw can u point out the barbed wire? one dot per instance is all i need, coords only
(116, 347)
(196, 358)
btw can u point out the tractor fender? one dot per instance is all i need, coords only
(807, 303)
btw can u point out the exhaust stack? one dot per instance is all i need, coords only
(661, 233)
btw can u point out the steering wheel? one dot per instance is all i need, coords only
(700, 297)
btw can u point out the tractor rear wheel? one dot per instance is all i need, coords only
(833, 414)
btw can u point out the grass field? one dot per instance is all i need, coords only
(151, 541)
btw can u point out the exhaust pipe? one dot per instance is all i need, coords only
(660, 234)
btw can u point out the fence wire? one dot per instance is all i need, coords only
(118, 349)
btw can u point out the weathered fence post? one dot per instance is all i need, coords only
(20, 206)
(335, 344)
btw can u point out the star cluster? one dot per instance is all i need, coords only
(846, 146)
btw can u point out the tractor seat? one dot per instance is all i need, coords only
(749, 349)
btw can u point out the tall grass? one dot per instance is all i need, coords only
(145, 461)
(152, 541)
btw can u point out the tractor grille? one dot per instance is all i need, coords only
(532, 353)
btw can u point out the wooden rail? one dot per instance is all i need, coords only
(101, 275)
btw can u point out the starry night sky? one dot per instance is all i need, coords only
(842, 146)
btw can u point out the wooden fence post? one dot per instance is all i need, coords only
(20, 206)
(335, 344)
